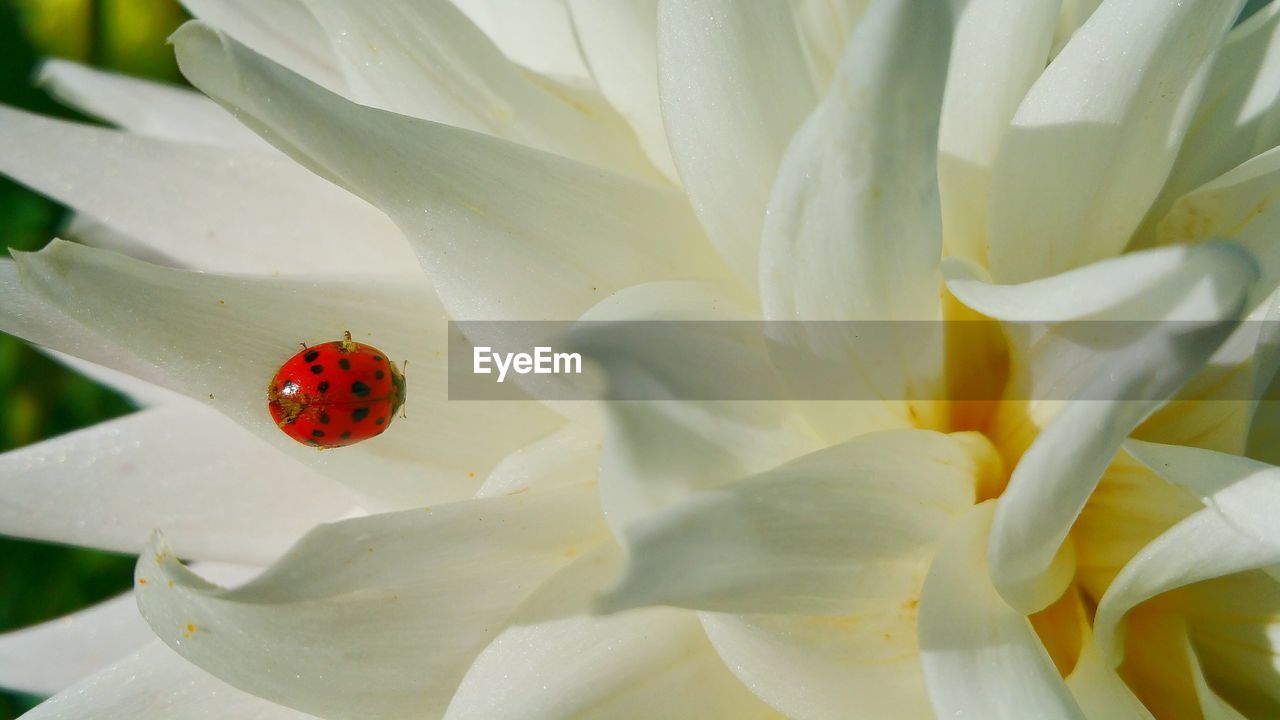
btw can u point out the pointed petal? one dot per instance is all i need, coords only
(156, 684)
(1238, 117)
(225, 337)
(111, 485)
(1107, 116)
(619, 44)
(24, 314)
(202, 207)
(377, 616)
(999, 50)
(735, 84)
(282, 30)
(45, 658)
(647, 664)
(828, 668)
(853, 231)
(535, 33)
(1234, 485)
(502, 230)
(157, 110)
(1056, 475)
(428, 60)
(827, 533)
(1240, 206)
(1096, 290)
(981, 657)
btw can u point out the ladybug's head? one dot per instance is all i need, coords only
(401, 388)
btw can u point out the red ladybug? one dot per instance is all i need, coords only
(335, 394)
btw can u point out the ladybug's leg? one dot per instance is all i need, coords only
(345, 344)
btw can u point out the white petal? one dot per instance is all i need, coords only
(1235, 533)
(825, 26)
(828, 668)
(569, 455)
(828, 533)
(142, 393)
(1238, 117)
(1239, 205)
(1131, 507)
(428, 60)
(378, 616)
(647, 664)
(535, 33)
(111, 485)
(1099, 690)
(503, 231)
(25, 315)
(1241, 488)
(48, 657)
(167, 112)
(619, 43)
(225, 337)
(656, 452)
(981, 657)
(1096, 290)
(999, 49)
(203, 207)
(735, 84)
(1092, 142)
(1073, 15)
(1216, 408)
(156, 684)
(1056, 475)
(282, 30)
(853, 231)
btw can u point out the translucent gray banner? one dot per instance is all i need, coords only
(840, 361)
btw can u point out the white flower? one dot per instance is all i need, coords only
(1109, 556)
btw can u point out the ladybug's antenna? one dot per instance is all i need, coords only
(404, 373)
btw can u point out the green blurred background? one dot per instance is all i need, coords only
(38, 397)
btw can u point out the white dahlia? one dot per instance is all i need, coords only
(1096, 543)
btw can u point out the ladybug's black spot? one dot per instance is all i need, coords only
(377, 358)
(317, 369)
(323, 386)
(359, 389)
(324, 418)
(311, 356)
(379, 421)
(359, 414)
(344, 363)
(317, 433)
(379, 375)
(345, 436)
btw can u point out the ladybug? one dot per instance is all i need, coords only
(335, 394)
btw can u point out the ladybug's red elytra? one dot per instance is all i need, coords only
(336, 393)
